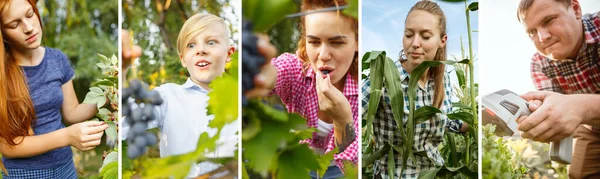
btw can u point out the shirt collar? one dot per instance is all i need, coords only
(591, 34)
(403, 73)
(350, 85)
(590, 29)
(189, 84)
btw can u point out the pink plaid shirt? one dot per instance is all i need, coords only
(297, 91)
(572, 76)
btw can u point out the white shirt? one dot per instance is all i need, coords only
(182, 118)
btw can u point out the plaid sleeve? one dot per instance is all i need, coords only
(366, 90)
(288, 68)
(453, 125)
(540, 80)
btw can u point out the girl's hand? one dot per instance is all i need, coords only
(86, 135)
(333, 105)
(264, 82)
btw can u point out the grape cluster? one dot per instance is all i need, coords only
(139, 117)
(252, 60)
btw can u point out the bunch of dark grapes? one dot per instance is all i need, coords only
(138, 118)
(252, 60)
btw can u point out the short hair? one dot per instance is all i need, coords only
(524, 5)
(196, 24)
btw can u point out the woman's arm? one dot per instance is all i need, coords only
(72, 111)
(30, 146)
(83, 136)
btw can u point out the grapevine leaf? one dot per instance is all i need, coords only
(95, 96)
(103, 114)
(297, 162)
(111, 133)
(110, 171)
(352, 9)
(325, 161)
(223, 98)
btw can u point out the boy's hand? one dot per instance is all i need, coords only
(264, 82)
(130, 51)
(333, 105)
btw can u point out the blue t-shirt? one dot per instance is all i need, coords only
(45, 81)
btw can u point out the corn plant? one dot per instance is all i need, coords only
(383, 72)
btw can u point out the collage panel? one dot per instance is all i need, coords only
(540, 89)
(57, 120)
(300, 89)
(419, 88)
(180, 96)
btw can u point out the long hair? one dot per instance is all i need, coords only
(17, 114)
(308, 5)
(436, 72)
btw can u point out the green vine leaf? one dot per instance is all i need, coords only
(111, 133)
(95, 96)
(223, 98)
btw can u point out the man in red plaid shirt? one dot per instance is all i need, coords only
(566, 70)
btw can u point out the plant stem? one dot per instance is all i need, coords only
(471, 84)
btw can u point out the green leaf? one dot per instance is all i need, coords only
(394, 91)
(325, 161)
(267, 112)
(352, 9)
(104, 59)
(114, 60)
(351, 170)
(474, 6)
(463, 116)
(111, 133)
(391, 164)
(461, 106)
(368, 160)
(261, 150)
(176, 166)
(464, 61)
(297, 162)
(429, 174)
(424, 113)
(102, 65)
(460, 74)
(244, 173)
(264, 21)
(453, 159)
(110, 171)
(253, 127)
(103, 114)
(95, 96)
(103, 82)
(366, 63)
(223, 98)
(110, 158)
(415, 75)
(376, 80)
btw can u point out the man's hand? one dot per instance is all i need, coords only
(554, 116)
